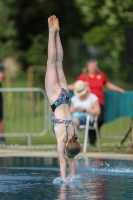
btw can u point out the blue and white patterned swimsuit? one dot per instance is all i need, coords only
(62, 99)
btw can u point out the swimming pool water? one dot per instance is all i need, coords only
(24, 178)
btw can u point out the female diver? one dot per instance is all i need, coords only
(58, 95)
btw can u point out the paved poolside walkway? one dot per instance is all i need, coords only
(47, 151)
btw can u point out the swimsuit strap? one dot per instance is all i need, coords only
(66, 131)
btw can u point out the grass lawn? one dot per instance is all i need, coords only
(106, 145)
(19, 120)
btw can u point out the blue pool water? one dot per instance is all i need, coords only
(39, 179)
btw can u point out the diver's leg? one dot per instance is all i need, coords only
(59, 58)
(51, 78)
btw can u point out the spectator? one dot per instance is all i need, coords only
(2, 139)
(83, 104)
(96, 80)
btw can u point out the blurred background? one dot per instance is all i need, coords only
(89, 29)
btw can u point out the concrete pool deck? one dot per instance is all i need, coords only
(47, 151)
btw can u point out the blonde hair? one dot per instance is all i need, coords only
(85, 69)
(72, 147)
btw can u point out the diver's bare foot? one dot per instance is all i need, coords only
(56, 23)
(51, 25)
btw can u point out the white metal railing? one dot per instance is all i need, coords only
(26, 112)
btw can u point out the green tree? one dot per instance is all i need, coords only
(105, 21)
(30, 22)
(7, 31)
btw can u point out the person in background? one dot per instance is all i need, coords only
(96, 81)
(83, 104)
(2, 139)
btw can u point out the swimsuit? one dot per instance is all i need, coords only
(62, 99)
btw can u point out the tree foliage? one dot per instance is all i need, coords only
(99, 24)
(30, 26)
(105, 21)
(7, 31)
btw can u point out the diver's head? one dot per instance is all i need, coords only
(72, 147)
